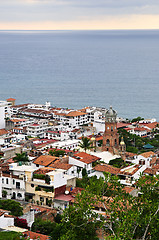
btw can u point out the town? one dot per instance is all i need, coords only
(49, 156)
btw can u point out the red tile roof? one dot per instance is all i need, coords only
(59, 165)
(64, 197)
(107, 168)
(45, 160)
(44, 170)
(3, 132)
(75, 114)
(85, 157)
(147, 154)
(36, 236)
(11, 99)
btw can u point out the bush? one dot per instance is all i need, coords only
(12, 206)
(20, 222)
(39, 176)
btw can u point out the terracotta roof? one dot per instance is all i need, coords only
(85, 157)
(36, 236)
(130, 171)
(140, 129)
(64, 197)
(147, 154)
(11, 99)
(60, 165)
(156, 167)
(128, 189)
(20, 105)
(150, 171)
(76, 190)
(150, 125)
(45, 160)
(129, 154)
(75, 114)
(153, 161)
(122, 125)
(107, 168)
(3, 132)
(44, 170)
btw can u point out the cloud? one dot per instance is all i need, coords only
(69, 11)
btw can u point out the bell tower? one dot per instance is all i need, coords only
(111, 136)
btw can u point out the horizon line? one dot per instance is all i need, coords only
(123, 29)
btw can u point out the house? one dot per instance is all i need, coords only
(44, 184)
(130, 174)
(44, 161)
(6, 220)
(13, 185)
(101, 168)
(83, 160)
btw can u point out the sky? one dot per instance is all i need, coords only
(78, 14)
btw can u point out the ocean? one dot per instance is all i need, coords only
(83, 68)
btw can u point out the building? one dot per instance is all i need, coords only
(111, 136)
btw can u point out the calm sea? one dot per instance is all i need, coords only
(82, 68)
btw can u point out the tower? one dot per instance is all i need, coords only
(122, 148)
(111, 136)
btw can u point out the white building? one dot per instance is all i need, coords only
(83, 160)
(2, 114)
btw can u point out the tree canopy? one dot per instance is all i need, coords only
(85, 144)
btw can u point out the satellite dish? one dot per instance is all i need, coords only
(66, 192)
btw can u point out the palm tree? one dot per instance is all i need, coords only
(85, 144)
(21, 157)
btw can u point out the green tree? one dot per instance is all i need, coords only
(85, 144)
(21, 157)
(57, 153)
(12, 206)
(79, 219)
(137, 119)
(127, 217)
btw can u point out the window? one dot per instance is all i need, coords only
(2, 180)
(108, 142)
(112, 128)
(6, 180)
(32, 185)
(18, 185)
(13, 181)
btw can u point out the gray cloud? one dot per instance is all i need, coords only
(69, 10)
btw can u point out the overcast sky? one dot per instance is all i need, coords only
(79, 14)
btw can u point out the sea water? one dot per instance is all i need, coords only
(82, 68)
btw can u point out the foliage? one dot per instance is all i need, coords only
(118, 162)
(79, 219)
(135, 143)
(38, 188)
(44, 227)
(131, 149)
(128, 217)
(47, 179)
(4, 193)
(85, 144)
(21, 157)
(20, 222)
(57, 153)
(84, 173)
(39, 176)
(12, 206)
(137, 119)
(58, 218)
(11, 236)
